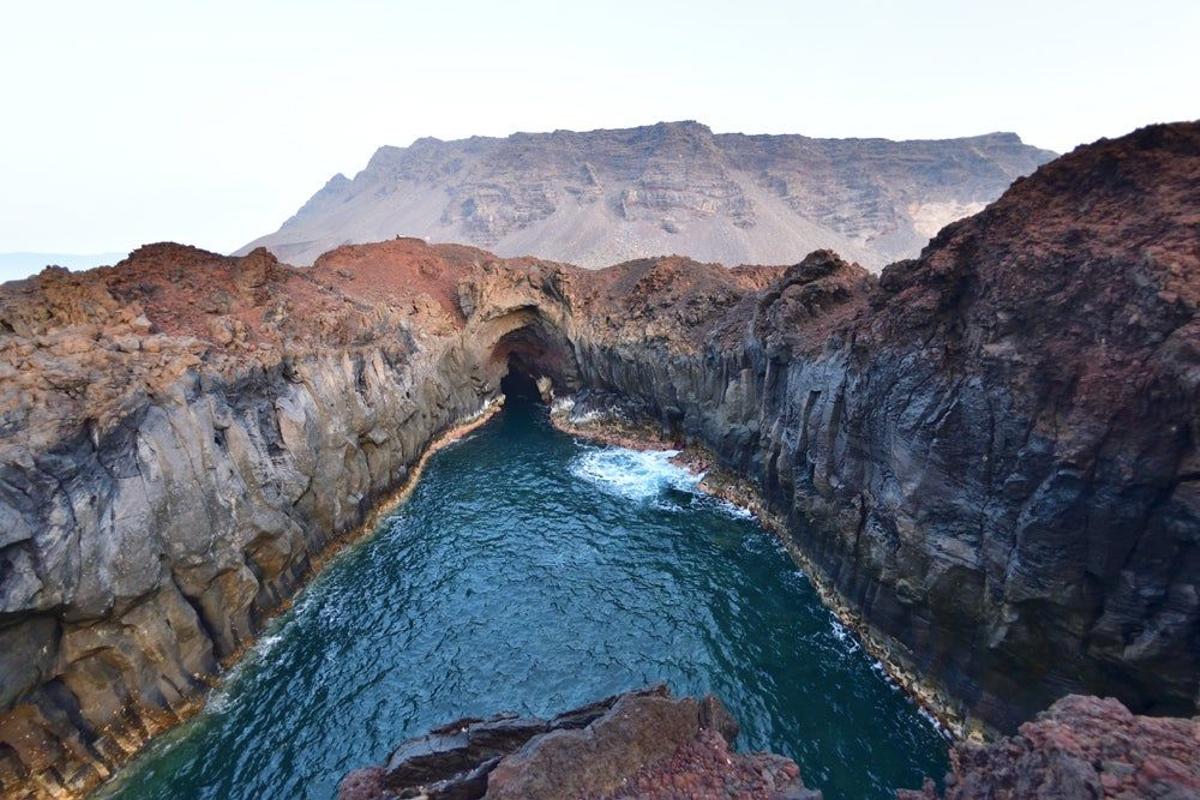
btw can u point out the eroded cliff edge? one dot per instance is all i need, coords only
(988, 455)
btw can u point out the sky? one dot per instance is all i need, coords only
(211, 122)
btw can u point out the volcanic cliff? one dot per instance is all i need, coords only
(598, 197)
(986, 457)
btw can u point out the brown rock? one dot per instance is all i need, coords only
(644, 740)
(1080, 747)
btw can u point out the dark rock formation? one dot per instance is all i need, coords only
(643, 744)
(1082, 747)
(603, 196)
(990, 458)
(987, 457)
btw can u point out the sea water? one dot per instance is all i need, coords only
(533, 572)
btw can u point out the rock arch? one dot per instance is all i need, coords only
(528, 345)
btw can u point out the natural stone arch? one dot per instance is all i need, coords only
(527, 345)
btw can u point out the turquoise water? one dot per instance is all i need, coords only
(532, 572)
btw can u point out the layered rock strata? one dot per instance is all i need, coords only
(643, 744)
(597, 197)
(987, 456)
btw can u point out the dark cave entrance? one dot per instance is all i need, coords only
(534, 359)
(518, 384)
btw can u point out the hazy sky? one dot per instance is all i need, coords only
(211, 122)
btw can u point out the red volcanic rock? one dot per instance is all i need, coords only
(1082, 747)
(803, 312)
(643, 744)
(363, 784)
(1085, 275)
(706, 769)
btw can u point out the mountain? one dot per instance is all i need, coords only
(605, 196)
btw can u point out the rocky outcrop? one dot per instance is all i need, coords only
(986, 457)
(643, 744)
(599, 197)
(651, 746)
(183, 434)
(1080, 747)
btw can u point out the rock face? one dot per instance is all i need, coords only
(987, 456)
(604, 196)
(643, 744)
(182, 434)
(1080, 747)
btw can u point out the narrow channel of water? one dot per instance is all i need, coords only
(532, 572)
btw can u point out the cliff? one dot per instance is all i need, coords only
(183, 435)
(986, 456)
(603, 196)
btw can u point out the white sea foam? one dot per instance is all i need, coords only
(218, 700)
(734, 510)
(936, 723)
(645, 475)
(634, 474)
(843, 635)
(483, 409)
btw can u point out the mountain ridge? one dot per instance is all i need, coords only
(608, 195)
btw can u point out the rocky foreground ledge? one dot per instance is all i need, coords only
(652, 746)
(1081, 747)
(645, 744)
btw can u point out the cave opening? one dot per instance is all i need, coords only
(534, 360)
(518, 384)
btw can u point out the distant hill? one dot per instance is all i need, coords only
(14, 266)
(605, 196)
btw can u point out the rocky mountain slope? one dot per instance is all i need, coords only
(604, 196)
(986, 457)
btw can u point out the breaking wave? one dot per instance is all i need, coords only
(635, 474)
